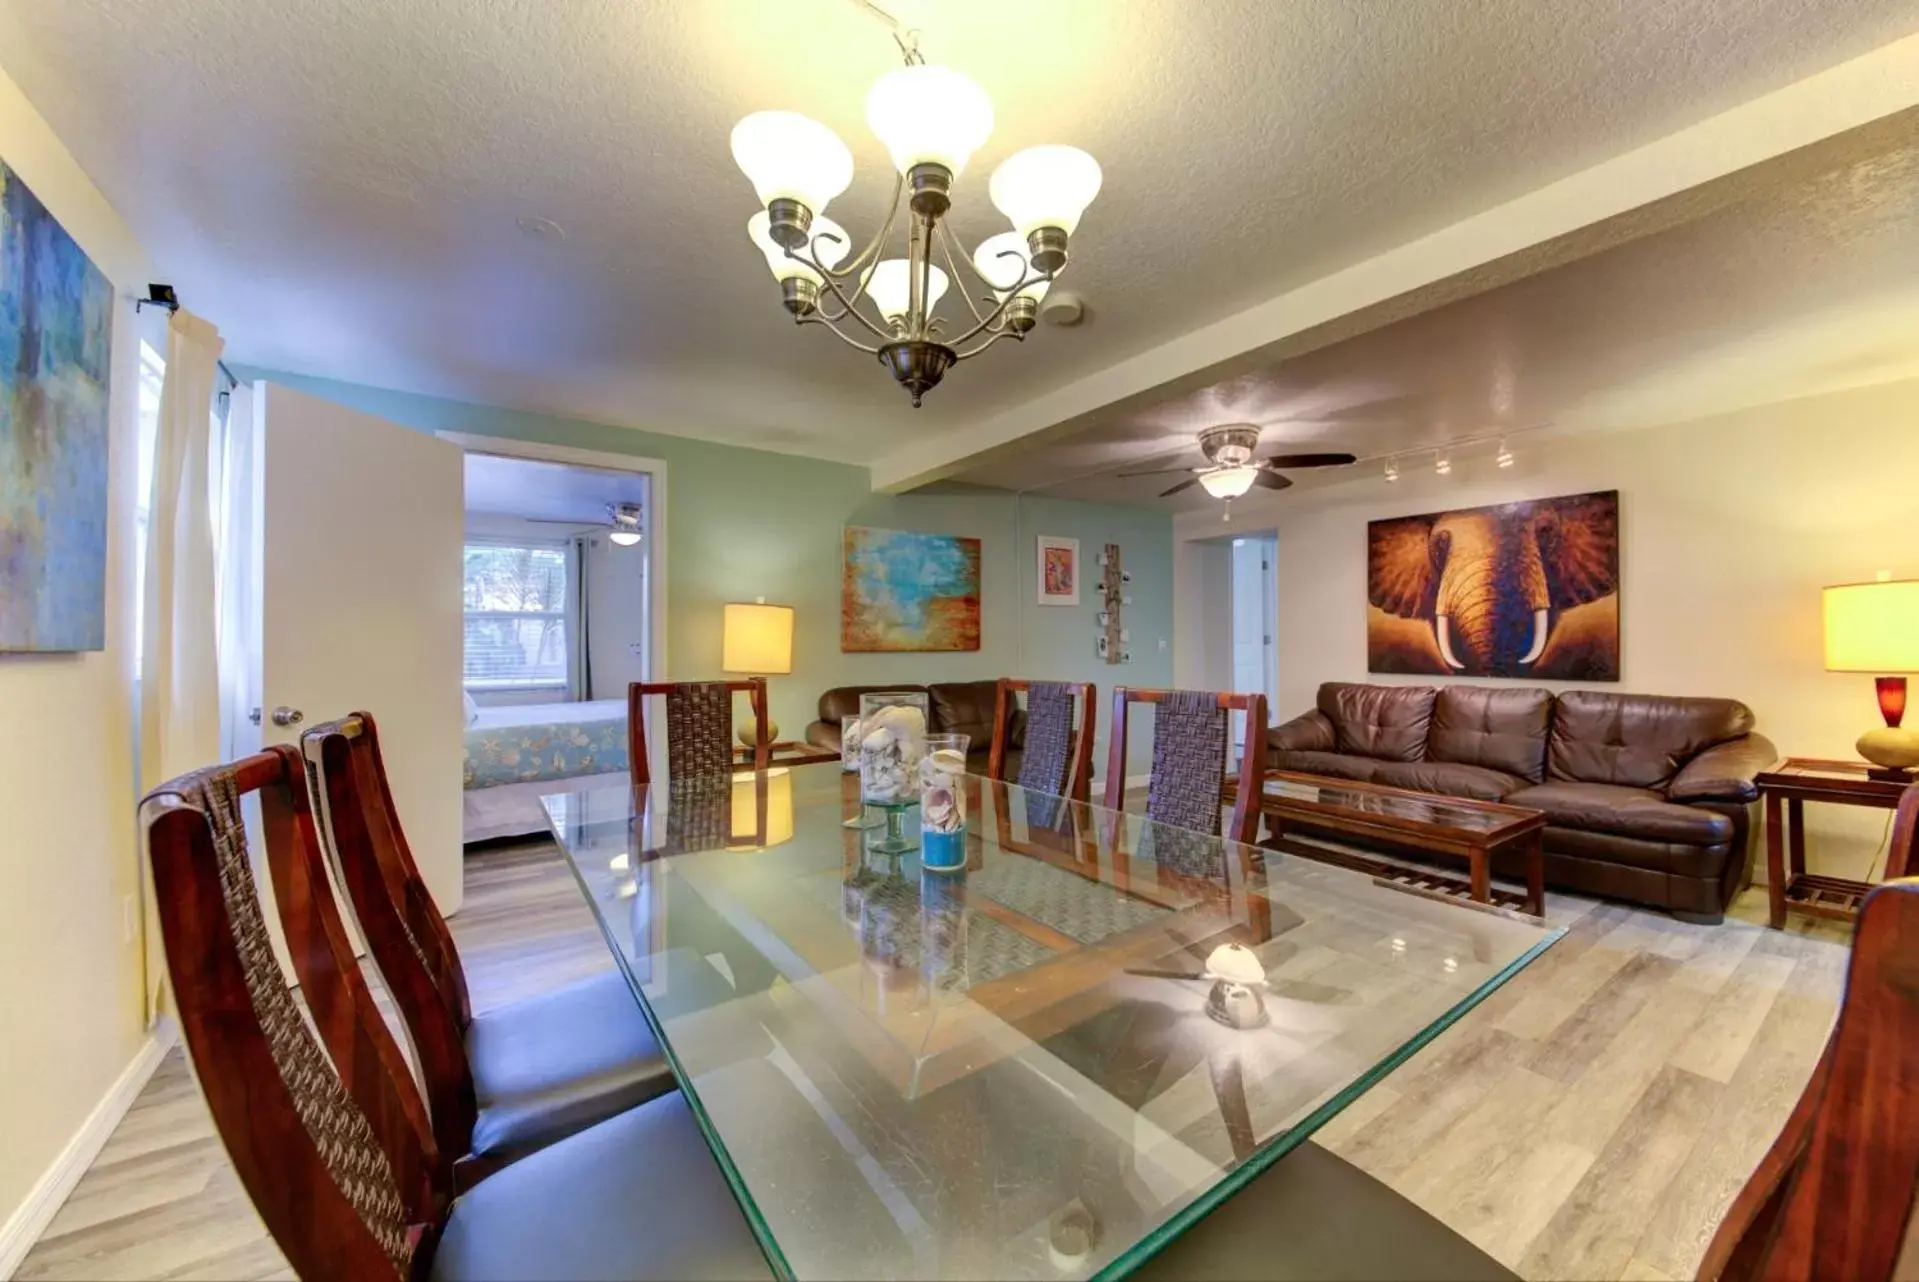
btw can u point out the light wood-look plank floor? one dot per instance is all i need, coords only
(1591, 1120)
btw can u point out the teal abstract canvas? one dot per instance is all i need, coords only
(56, 356)
(913, 592)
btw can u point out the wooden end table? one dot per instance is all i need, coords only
(1456, 827)
(787, 752)
(1786, 788)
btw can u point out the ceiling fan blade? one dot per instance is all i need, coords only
(1161, 471)
(1186, 484)
(1309, 460)
(553, 520)
(1271, 480)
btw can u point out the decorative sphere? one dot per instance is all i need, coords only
(745, 731)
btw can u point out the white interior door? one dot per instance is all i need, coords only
(361, 523)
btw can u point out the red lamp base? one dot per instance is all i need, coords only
(1892, 699)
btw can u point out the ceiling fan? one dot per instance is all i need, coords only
(623, 524)
(1230, 468)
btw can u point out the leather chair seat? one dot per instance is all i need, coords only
(1449, 778)
(551, 1065)
(1316, 1216)
(1626, 812)
(641, 1196)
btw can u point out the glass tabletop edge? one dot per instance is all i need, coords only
(1177, 1224)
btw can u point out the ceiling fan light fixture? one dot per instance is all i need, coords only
(1228, 482)
(624, 518)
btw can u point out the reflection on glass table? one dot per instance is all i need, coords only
(1045, 1064)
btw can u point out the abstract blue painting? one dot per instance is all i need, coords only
(56, 355)
(913, 592)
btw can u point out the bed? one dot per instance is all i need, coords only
(516, 752)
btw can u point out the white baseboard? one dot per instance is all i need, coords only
(30, 1219)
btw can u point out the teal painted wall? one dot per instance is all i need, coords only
(747, 523)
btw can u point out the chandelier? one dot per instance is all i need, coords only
(931, 119)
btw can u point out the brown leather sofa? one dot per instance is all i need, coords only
(1647, 797)
(954, 707)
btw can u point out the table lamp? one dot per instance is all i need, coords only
(1874, 627)
(757, 639)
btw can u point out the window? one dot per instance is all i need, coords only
(516, 608)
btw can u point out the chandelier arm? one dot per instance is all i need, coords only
(873, 248)
(819, 318)
(847, 309)
(998, 314)
(996, 336)
(946, 248)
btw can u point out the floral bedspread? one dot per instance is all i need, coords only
(557, 750)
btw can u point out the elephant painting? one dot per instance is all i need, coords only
(1523, 590)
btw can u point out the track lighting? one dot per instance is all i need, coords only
(1505, 456)
(1392, 469)
(1443, 464)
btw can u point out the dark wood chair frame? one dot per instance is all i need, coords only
(1244, 824)
(639, 691)
(1834, 1197)
(374, 865)
(275, 1157)
(1079, 770)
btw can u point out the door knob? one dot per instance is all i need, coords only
(285, 716)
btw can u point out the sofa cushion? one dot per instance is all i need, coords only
(1328, 765)
(1629, 812)
(844, 701)
(965, 707)
(1501, 729)
(1449, 779)
(1387, 722)
(1637, 740)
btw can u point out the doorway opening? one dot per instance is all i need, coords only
(1255, 621)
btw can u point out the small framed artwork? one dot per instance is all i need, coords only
(1058, 571)
(1103, 649)
(1102, 618)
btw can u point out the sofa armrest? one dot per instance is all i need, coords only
(1310, 732)
(1724, 772)
(824, 734)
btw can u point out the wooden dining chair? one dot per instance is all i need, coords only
(331, 1145)
(510, 1080)
(1835, 1195)
(1056, 755)
(1190, 758)
(699, 727)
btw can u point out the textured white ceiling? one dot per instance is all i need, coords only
(536, 490)
(335, 182)
(1808, 284)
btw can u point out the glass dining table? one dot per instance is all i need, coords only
(1049, 1063)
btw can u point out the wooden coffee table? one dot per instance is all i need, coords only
(1453, 827)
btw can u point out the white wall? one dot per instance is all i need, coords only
(1729, 528)
(70, 993)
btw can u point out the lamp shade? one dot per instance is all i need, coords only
(889, 283)
(1873, 627)
(929, 115)
(789, 157)
(822, 246)
(757, 639)
(1045, 187)
(1228, 482)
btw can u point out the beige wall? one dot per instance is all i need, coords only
(1729, 527)
(70, 994)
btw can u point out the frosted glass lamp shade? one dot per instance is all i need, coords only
(829, 252)
(757, 639)
(1045, 187)
(888, 284)
(993, 261)
(1228, 482)
(1873, 627)
(929, 115)
(789, 157)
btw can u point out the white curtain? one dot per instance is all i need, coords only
(180, 720)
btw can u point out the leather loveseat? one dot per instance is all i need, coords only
(1646, 797)
(953, 707)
